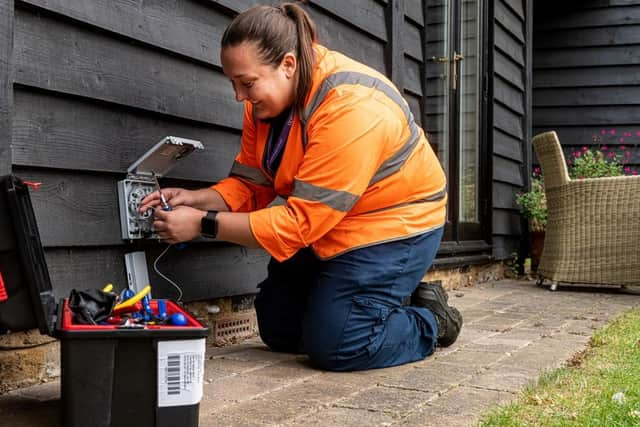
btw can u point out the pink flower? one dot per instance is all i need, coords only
(612, 132)
(621, 139)
(634, 172)
(604, 148)
(604, 132)
(576, 154)
(627, 169)
(585, 149)
(638, 133)
(611, 155)
(627, 153)
(622, 147)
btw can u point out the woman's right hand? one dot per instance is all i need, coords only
(173, 196)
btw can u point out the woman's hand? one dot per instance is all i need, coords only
(205, 199)
(174, 197)
(178, 225)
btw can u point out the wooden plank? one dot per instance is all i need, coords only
(510, 21)
(210, 271)
(507, 121)
(506, 223)
(394, 51)
(592, 76)
(588, 37)
(189, 28)
(414, 11)
(609, 116)
(504, 247)
(236, 5)
(412, 77)
(596, 4)
(611, 136)
(585, 96)
(68, 133)
(507, 69)
(507, 146)
(202, 271)
(504, 196)
(507, 171)
(508, 95)
(412, 41)
(366, 15)
(517, 6)
(415, 107)
(6, 90)
(60, 57)
(585, 57)
(344, 38)
(508, 45)
(436, 13)
(75, 210)
(577, 18)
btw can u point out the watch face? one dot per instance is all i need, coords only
(209, 225)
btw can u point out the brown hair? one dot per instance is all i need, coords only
(277, 30)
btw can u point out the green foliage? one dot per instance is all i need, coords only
(599, 387)
(594, 164)
(533, 204)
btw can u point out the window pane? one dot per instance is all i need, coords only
(469, 92)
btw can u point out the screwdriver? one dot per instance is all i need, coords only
(165, 205)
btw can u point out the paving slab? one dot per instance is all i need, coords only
(514, 330)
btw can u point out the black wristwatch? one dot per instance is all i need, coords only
(209, 225)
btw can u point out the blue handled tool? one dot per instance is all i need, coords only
(162, 310)
(165, 205)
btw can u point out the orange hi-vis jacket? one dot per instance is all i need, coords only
(356, 169)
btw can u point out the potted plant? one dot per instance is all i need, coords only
(533, 206)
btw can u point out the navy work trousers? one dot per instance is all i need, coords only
(347, 313)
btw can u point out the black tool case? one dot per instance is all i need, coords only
(111, 376)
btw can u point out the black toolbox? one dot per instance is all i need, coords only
(111, 376)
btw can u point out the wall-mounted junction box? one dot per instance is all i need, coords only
(140, 181)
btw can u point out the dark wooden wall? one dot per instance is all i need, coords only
(587, 73)
(510, 131)
(87, 86)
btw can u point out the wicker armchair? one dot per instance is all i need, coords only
(593, 228)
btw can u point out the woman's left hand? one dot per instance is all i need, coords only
(178, 225)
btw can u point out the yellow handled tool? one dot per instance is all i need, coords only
(134, 299)
(108, 287)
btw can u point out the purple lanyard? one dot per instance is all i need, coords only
(274, 150)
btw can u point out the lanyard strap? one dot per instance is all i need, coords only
(275, 146)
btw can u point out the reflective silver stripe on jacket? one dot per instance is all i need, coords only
(395, 162)
(253, 175)
(432, 198)
(341, 201)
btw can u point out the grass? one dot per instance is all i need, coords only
(582, 394)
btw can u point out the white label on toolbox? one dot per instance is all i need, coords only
(180, 372)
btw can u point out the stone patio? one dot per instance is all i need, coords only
(513, 331)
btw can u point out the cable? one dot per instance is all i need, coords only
(155, 268)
